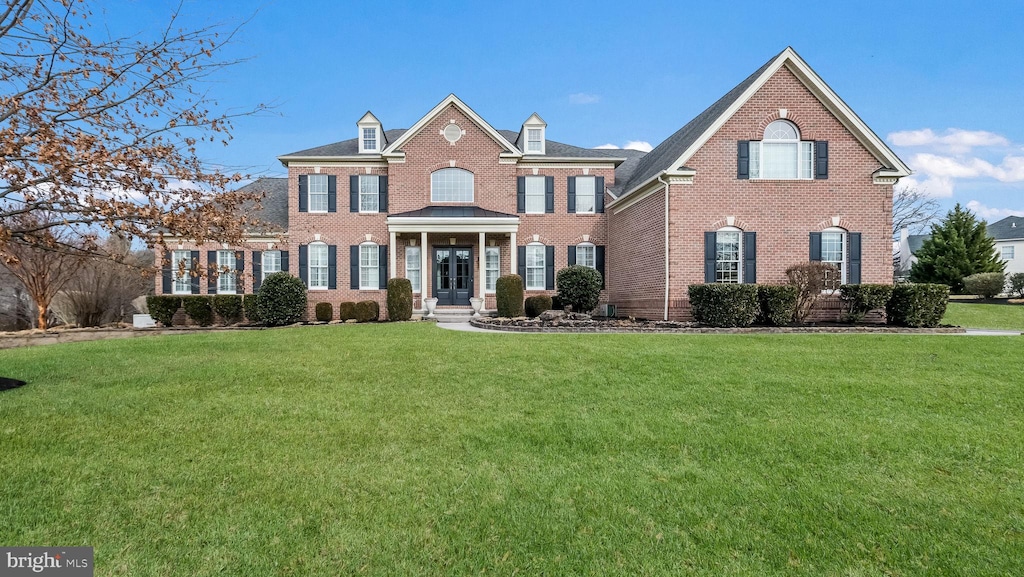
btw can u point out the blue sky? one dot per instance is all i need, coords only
(939, 81)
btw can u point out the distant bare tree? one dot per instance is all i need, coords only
(913, 209)
(106, 284)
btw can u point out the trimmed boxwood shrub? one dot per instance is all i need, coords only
(324, 312)
(509, 295)
(724, 305)
(229, 307)
(579, 287)
(985, 284)
(199, 309)
(537, 304)
(860, 299)
(347, 311)
(249, 304)
(367, 311)
(917, 305)
(282, 299)
(399, 299)
(556, 303)
(777, 304)
(163, 307)
(1016, 284)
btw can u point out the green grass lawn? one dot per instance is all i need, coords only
(985, 316)
(407, 449)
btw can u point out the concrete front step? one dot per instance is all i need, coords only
(453, 315)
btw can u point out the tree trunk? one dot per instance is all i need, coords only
(42, 315)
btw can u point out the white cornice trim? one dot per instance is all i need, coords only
(602, 161)
(459, 224)
(362, 158)
(350, 164)
(434, 112)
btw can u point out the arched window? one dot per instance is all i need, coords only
(781, 155)
(451, 185)
(729, 255)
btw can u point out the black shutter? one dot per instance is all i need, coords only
(303, 193)
(353, 193)
(193, 265)
(599, 194)
(520, 194)
(821, 159)
(382, 183)
(353, 266)
(709, 256)
(572, 255)
(853, 274)
(549, 194)
(815, 253)
(571, 185)
(549, 268)
(284, 261)
(211, 268)
(240, 261)
(599, 262)
(332, 266)
(521, 263)
(166, 271)
(382, 267)
(257, 270)
(332, 193)
(743, 159)
(750, 258)
(304, 264)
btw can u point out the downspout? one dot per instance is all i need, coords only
(665, 182)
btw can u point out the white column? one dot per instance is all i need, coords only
(425, 273)
(392, 256)
(483, 270)
(513, 255)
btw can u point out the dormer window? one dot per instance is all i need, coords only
(370, 134)
(531, 138)
(369, 139)
(535, 140)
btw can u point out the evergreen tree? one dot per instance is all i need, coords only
(959, 246)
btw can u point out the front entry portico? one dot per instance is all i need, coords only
(453, 275)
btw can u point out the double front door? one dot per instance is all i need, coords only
(453, 275)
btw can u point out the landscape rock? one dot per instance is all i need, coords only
(551, 315)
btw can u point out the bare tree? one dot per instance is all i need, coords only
(913, 209)
(104, 132)
(103, 289)
(44, 261)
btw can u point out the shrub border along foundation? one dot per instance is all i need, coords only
(492, 324)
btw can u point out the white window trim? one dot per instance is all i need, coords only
(221, 273)
(1007, 249)
(175, 274)
(543, 193)
(376, 248)
(263, 264)
(494, 249)
(739, 267)
(367, 177)
(543, 139)
(756, 149)
(362, 139)
(846, 255)
(593, 209)
(309, 193)
(472, 175)
(419, 267)
(543, 267)
(309, 266)
(591, 246)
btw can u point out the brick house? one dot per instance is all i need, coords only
(777, 172)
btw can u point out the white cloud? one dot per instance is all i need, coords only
(992, 214)
(641, 145)
(608, 146)
(1011, 169)
(954, 141)
(939, 187)
(584, 98)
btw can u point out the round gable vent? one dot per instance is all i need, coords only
(452, 133)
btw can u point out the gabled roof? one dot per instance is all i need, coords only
(452, 100)
(1011, 227)
(274, 211)
(672, 154)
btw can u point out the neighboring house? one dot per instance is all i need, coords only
(907, 247)
(1009, 235)
(779, 171)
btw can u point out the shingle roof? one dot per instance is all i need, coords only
(663, 155)
(1009, 227)
(452, 212)
(348, 147)
(274, 211)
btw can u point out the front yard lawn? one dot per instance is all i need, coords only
(985, 316)
(407, 449)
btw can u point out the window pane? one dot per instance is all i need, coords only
(832, 253)
(778, 160)
(318, 266)
(369, 276)
(585, 194)
(780, 130)
(755, 159)
(585, 255)
(535, 267)
(182, 260)
(1006, 252)
(451, 185)
(533, 140)
(225, 263)
(370, 138)
(412, 266)
(317, 184)
(535, 194)
(727, 256)
(369, 187)
(806, 159)
(492, 257)
(271, 262)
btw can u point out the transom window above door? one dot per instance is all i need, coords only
(451, 185)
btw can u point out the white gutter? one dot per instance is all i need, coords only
(665, 182)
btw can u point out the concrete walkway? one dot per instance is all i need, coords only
(468, 328)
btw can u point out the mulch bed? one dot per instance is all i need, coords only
(524, 325)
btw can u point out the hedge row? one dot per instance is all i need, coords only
(203, 310)
(740, 305)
